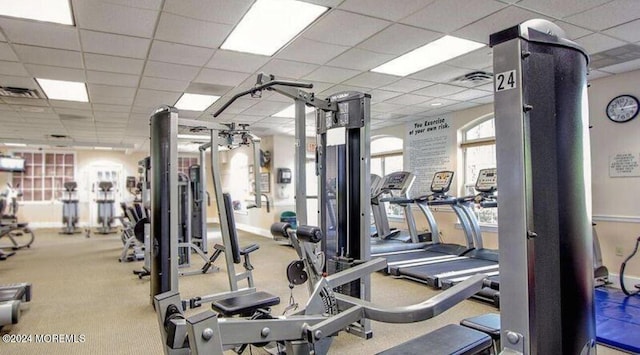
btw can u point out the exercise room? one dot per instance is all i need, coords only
(319, 177)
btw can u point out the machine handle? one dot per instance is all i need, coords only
(260, 87)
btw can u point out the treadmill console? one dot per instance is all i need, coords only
(398, 181)
(441, 182)
(487, 180)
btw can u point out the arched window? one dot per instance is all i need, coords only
(479, 152)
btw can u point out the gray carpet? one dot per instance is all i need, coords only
(80, 288)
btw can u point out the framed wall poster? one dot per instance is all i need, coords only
(265, 182)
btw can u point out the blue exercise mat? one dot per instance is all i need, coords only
(618, 319)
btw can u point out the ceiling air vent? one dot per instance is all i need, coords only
(474, 78)
(58, 136)
(8, 91)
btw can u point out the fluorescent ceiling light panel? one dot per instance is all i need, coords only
(290, 112)
(270, 24)
(195, 137)
(195, 102)
(64, 90)
(436, 52)
(58, 11)
(103, 148)
(15, 144)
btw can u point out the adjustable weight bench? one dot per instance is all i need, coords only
(451, 339)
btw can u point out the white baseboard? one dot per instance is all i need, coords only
(45, 225)
(629, 281)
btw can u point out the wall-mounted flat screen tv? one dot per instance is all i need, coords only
(11, 164)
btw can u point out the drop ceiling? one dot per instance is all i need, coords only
(135, 55)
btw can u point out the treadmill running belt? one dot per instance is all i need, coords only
(617, 319)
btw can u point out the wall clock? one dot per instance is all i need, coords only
(622, 108)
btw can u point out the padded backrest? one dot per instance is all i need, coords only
(233, 233)
(139, 211)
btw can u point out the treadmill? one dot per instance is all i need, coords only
(436, 251)
(476, 261)
(394, 188)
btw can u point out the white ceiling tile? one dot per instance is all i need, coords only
(371, 80)
(6, 53)
(12, 68)
(238, 106)
(379, 95)
(247, 118)
(57, 73)
(70, 104)
(143, 4)
(439, 16)
(389, 10)
(597, 42)
(111, 44)
(163, 84)
(475, 60)
(409, 110)
(466, 95)
(623, 67)
(220, 77)
(109, 63)
(560, 9)
(309, 51)
(408, 99)
(49, 56)
(220, 11)
(107, 17)
(511, 16)
(40, 34)
(98, 77)
(440, 73)
(360, 59)
(184, 30)
(111, 108)
(122, 101)
(385, 107)
(25, 101)
(399, 39)
(18, 81)
(73, 112)
(437, 103)
(111, 91)
(265, 108)
(573, 31)
(331, 74)
(407, 85)
(286, 68)
(344, 28)
(154, 98)
(179, 53)
(628, 32)
(597, 74)
(439, 90)
(462, 106)
(170, 71)
(608, 15)
(236, 61)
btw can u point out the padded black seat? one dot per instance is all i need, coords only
(22, 225)
(487, 323)
(245, 305)
(450, 339)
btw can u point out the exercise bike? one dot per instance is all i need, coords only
(9, 225)
(70, 208)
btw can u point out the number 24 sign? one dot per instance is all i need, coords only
(505, 80)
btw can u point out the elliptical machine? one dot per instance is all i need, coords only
(105, 207)
(69, 208)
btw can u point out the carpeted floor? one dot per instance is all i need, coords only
(81, 289)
